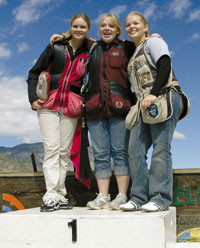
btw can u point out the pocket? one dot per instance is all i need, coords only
(185, 100)
(120, 104)
(143, 71)
(164, 110)
(120, 98)
(50, 100)
(80, 68)
(115, 60)
(75, 105)
(144, 74)
(93, 103)
(133, 116)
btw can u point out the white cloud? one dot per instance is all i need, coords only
(150, 10)
(3, 2)
(172, 53)
(30, 10)
(142, 3)
(118, 10)
(4, 51)
(178, 135)
(22, 47)
(97, 20)
(194, 37)
(179, 7)
(194, 15)
(17, 118)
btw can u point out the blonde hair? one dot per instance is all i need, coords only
(114, 20)
(78, 15)
(142, 18)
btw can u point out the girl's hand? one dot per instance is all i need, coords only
(148, 101)
(91, 39)
(55, 37)
(37, 104)
(157, 35)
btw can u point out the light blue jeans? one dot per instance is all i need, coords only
(154, 184)
(109, 139)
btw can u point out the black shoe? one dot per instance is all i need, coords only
(49, 206)
(65, 204)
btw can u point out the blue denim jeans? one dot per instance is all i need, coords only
(154, 184)
(109, 139)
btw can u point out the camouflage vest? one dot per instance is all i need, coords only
(142, 75)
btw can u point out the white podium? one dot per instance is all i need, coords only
(84, 228)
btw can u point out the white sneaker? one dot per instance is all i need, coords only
(100, 202)
(130, 206)
(65, 204)
(151, 207)
(49, 205)
(119, 200)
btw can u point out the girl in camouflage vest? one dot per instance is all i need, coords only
(160, 104)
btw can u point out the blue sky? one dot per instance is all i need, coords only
(26, 26)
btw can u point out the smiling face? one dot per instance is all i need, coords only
(108, 30)
(79, 29)
(136, 28)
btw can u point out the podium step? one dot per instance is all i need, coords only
(188, 245)
(85, 228)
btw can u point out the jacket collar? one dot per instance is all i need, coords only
(66, 42)
(107, 46)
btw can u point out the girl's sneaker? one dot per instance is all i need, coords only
(130, 206)
(65, 204)
(119, 200)
(151, 207)
(100, 202)
(49, 206)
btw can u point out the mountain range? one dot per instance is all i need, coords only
(18, 158)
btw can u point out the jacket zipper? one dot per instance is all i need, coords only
(105, 78)
(66, 78)
(65, 82)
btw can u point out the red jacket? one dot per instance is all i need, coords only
(109, 90)
(65, 74)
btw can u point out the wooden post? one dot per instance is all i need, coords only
(1, 203)
(33, 161)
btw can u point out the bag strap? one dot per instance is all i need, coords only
(90, 53)
(85, 79)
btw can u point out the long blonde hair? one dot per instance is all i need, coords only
(142, 18)
(114, 21)
(78, 15)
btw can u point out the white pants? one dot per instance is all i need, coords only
(57, 134)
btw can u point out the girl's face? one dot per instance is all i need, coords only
(135, 28)
(108, 31)
(79, 29)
